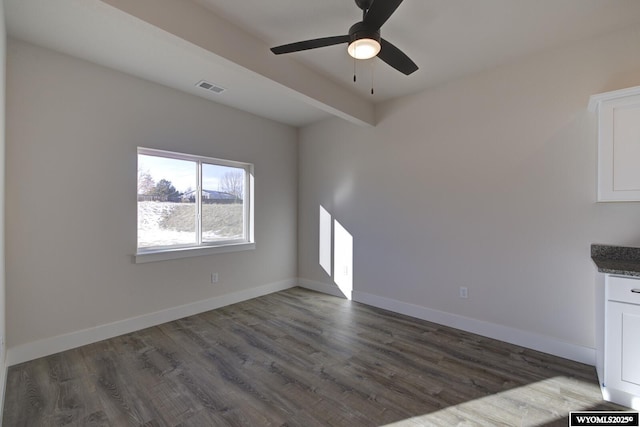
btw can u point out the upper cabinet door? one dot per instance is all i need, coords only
(618, 144)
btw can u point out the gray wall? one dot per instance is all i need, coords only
(72, 132)
(487, 182)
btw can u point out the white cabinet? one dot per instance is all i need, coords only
(621, 382)
(623, 371)
(618, 144)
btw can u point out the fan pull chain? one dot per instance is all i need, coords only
(354, 70)
(373, 63)
(354, 63)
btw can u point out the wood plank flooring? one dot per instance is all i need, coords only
(299, 358)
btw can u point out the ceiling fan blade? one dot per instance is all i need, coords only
(309, 44)
(379, 12)
(396, 58)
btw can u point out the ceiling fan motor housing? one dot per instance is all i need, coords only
(360, 31)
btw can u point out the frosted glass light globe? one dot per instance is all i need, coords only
(364, 48)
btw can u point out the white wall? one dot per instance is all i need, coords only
(72, 132)
(487, 182)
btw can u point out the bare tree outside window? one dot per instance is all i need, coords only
(233, 183)
(145, 182)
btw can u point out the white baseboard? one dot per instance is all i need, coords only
(321, 287)
(3, 386)
(33, 350)
(518, 337)
(621, 398)
(45, 347)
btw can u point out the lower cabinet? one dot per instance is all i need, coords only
(621, 382)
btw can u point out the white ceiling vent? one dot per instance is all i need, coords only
(211, 87)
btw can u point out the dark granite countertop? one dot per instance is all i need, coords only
(616, 259)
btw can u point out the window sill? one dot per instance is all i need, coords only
(167, 254)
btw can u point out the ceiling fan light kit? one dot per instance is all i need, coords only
(364, 40)
(363, 43)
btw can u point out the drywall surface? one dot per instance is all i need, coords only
(487, 183)
(3, 55)
(73, 129)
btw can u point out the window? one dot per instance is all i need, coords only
(192, 205)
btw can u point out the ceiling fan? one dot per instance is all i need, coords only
(364, 37)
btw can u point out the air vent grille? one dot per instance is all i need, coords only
(211, 87)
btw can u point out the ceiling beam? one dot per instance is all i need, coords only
(237, 48)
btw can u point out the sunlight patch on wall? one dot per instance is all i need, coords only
(343, 259)
(339, 256)
(325, 240)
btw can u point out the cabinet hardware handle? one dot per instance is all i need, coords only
(635, 291)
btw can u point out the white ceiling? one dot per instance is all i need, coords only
(180, 42)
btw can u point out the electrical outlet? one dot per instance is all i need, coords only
(214, 277)
(464, 292)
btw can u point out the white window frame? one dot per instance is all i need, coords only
(161, 253)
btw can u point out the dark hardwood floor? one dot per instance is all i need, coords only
(299, 358)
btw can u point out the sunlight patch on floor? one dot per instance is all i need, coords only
(531, 405)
